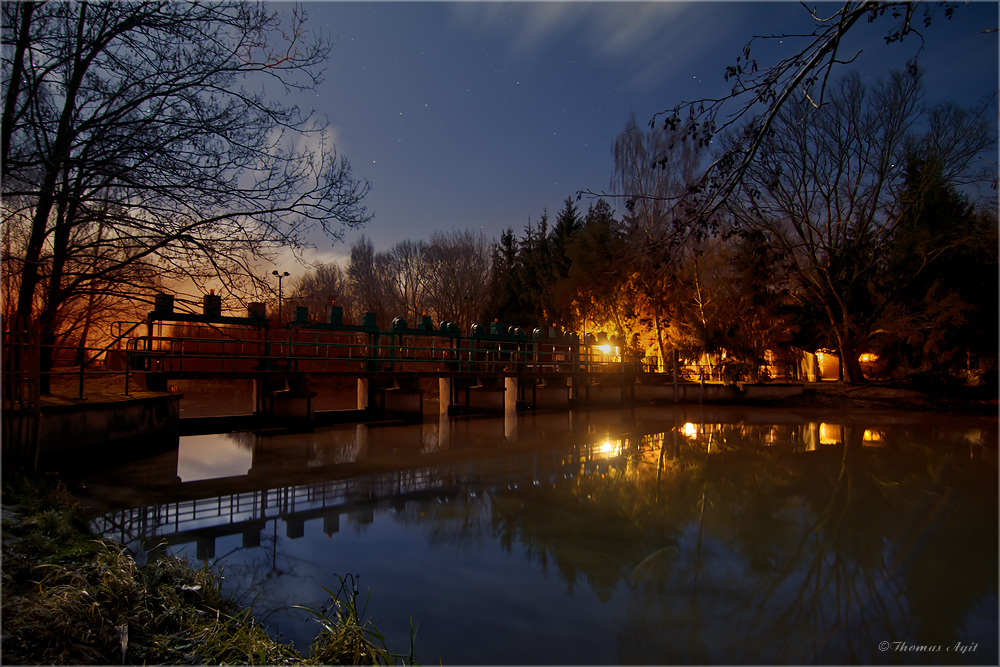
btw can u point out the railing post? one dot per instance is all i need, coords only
(80, 393)
(128, 366)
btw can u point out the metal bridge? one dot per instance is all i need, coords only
(489, 369)
(180, 345)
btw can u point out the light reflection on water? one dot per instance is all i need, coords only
(666, 535)
(211, 457)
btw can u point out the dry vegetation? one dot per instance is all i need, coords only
(70, 597)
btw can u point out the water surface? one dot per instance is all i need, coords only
(680, 534)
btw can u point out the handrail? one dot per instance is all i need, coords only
(473, 355)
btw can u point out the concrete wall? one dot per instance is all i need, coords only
(693, 392)
(686, 392)
(756, 392)
(69, 428)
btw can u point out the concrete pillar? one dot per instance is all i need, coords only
(362, 437)
(444, 395)
(509, 394)
(362, 393)
(331, 523)
(444, 431)
(294, 527)
(510, 409)
(205, 547)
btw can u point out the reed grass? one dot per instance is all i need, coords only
(346, 637)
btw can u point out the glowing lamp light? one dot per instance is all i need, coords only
(690, 430)
(868, 357)
(606, 349)
(607, 448)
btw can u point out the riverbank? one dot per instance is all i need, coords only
(71, 597)
(840, 396)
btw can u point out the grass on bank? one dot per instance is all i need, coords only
(70, 597)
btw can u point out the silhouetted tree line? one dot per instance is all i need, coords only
(837, 217)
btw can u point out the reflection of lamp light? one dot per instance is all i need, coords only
(689, 429)
(606, 349)
(829, 434)
(873, 436)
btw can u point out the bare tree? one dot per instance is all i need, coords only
(759, 91)
(828, 192)
(367, 283)
(325, 285)
(459, 265)
(759, 94)
(159, 122)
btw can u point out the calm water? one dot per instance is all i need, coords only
(654, 535)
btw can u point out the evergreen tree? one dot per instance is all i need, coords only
(945, 255)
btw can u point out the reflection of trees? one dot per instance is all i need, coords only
(458, 520)
(829, 554)
(293, 451)
(604, 523)
(759, 552)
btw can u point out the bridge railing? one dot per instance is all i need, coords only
(246, 350)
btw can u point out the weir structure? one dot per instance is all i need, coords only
(492, 369)
(489, 370)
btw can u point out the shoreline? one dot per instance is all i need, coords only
(835, 395)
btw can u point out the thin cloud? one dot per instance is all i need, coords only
(650, 40)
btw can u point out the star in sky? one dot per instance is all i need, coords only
(474, 115)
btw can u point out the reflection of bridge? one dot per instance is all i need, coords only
(492, 370)
(202, 515)
(350, 471)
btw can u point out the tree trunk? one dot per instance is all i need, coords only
(661, 357)
(850, 364)
(14, 84)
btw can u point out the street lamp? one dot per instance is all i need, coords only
(281, 276)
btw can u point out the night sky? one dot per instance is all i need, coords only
(474, 115)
